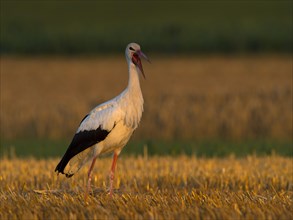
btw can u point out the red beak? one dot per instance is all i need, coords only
(136, 60)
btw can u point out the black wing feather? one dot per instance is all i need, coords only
(81, 141)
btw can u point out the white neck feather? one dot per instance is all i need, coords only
(133, 100)
(133, 81)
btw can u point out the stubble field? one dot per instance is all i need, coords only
(151, 188)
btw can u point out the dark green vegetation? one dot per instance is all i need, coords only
(203, 148)
(88, 27)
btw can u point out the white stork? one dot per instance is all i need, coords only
(108, 127)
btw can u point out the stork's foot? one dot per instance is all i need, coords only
(88, 187)
(87, 191)
(112, 173)
(111, 193)
(111, 177)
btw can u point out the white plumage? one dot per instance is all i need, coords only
(108, 127)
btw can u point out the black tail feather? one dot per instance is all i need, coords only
(61, 166)
(80, 142)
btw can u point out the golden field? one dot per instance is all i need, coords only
(151, 188)
(185, 97)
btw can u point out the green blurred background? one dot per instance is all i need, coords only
(91, 27)
(197, 28)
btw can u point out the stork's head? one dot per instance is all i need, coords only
(133, 54)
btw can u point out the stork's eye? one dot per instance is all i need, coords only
(130, 48)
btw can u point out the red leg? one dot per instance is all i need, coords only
(112, 172)
(89, 178)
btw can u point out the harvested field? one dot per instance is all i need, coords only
(151, 188)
